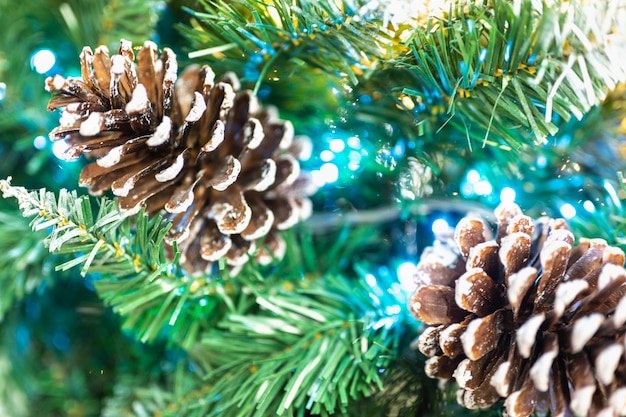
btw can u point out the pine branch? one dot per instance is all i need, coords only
(310, 345)
(254, 36)
(13, 398)
(24, 264)
(508, 75)
(128, 257)
(105, 22)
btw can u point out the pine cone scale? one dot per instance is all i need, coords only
(544, 328)
(191, 145)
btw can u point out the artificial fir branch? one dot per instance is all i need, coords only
(105, 22)
(24, 264)
(314, 344)
(150, 292)
(327, 35)
(508, 74)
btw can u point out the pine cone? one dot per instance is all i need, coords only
(526, 316)
(224, 168)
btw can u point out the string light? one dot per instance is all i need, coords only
(330, 172)
(371, 280)
(354, 142)
(483, 187)
(337, 145)
(59, 148)
(42, 61)
(406, 276)
(473, 176)
(327, 155)
(440, 226)
(507, 195)
(568, 211)
(542, 161)
(588, 205)
(40, 142)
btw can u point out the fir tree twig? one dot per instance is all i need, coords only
(327, 35)
(315, 344)
(23, 260)
(128, 257)
(508, 74)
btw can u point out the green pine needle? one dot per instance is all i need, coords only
(24, 262)
(105, 22)
(312, 345)
(254, 35)
(127, 258)
(509, 74)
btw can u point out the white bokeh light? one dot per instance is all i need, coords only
(337, 145)
(354, 142)
(43, 60)
(483, 187)
(40, 142)
(327, 156)
(588, 205)
(406, 276)
(329, 172)
(568, 211)
(440, 226)
(473, 176)
(59, 148)
(318, 178)
(371, 280)
(507, 195)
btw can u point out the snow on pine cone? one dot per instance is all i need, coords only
(526, 316)
(224, 169)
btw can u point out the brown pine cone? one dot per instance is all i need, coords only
(526, 316)
(225, 169)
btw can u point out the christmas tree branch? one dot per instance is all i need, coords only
(24, 264)
(314, 344)
(508, 74)
(105, 22)
(128, 257)
(255, 35)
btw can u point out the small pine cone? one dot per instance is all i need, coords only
(526, 316)
(224, 169)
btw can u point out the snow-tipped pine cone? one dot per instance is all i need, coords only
(526, 316)
(224, 169)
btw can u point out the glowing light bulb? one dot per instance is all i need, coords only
(330, 172)
(440, 226)
(507, 195)
(318, 178)
(473, 176)
(483, 187)
(588, 205)
(337, 145)
(354, 142)
(39, 142)
(406, 276)
(43, 60)
(327, 155)
(371, 280)
(568, 211)
(59, 148)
